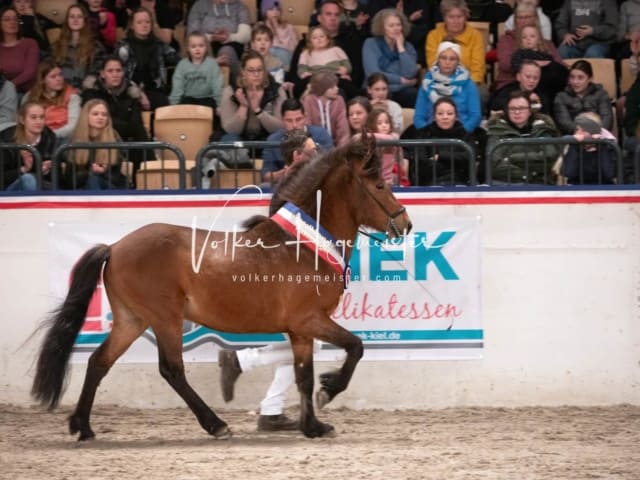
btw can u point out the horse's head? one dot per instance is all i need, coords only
(372, 202)
(353, 192)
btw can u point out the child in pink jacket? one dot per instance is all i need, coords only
(325, 107)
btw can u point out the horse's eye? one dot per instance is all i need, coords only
(380, 185)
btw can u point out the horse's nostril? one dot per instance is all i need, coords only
(409, 227)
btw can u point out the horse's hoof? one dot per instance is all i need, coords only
(322, 398)
(320, 429)
(86, 436)
(76, 425)
(222, 433)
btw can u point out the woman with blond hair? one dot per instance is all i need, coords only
(95, 169)
(19, 166)
(60, 100)
(77, 51)
(389, 52)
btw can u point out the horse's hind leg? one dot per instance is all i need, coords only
(169, 339)
(303, 365)
(122, 335)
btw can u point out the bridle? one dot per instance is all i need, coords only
(391, 223)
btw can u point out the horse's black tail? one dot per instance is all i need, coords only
(64, 325)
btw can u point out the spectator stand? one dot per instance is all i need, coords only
(549, 170)
(171, 174)
(233, 165)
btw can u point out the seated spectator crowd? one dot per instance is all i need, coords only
(399, 71)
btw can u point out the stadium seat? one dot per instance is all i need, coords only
(146, 121)
(626, 77)
(188, 127)
(236, 178)
(407, 117)
(297, 13)
(54, 9)
(484, 29)
(163, 175)
(253, 10)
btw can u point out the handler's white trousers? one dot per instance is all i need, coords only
(278, 354)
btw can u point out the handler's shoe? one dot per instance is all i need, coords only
(230, 370)
(275, 423)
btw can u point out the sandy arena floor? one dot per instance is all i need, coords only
(460, 443)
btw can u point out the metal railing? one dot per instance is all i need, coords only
(37, 161)
(239, 168)
(493, 157)
(233, 175)
(58, 159)
(230, 164)
(440, 160)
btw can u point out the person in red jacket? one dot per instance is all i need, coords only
(103, 23)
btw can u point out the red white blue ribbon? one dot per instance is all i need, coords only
(308, 232)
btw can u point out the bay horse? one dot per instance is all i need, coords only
(153, 279)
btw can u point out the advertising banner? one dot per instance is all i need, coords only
(415, 298)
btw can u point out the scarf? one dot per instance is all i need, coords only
(438, 85)
(388, 56)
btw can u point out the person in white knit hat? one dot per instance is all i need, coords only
(447, 77)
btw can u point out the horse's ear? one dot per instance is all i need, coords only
(369, 142)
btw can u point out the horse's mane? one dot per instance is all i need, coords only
(305, 178)
(301, 185)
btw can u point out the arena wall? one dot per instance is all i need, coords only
(560, 299)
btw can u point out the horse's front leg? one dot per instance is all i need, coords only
(336, 381)
(303, 364)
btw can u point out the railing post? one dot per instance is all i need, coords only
(37, 160)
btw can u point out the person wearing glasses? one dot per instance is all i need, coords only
(19, 56)
(252, 109)
(297, 148)
(518, 164)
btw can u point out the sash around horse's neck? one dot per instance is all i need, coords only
(312, 235)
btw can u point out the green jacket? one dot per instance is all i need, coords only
(509, 164)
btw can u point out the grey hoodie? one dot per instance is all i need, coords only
(602, 15)
(208, 16)
(8, 104)
(629, 18)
